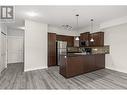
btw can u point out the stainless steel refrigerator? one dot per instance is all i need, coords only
(61, 49)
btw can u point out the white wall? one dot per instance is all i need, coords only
(35, 45)
(116, 37)
(15, 32)
(76, 42)
(61, 31)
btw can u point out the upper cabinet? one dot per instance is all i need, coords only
(84, 36)
(84, 39)
(98, 38)
(68, 39)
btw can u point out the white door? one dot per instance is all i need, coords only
(3, 52)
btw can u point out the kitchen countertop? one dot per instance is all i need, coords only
(78, 54)
(93, 50)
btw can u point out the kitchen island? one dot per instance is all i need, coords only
(73, 64)
(76, 64)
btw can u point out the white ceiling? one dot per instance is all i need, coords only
(61, 15)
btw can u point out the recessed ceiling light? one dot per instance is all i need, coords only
(32, 14)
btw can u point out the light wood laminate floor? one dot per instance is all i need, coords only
(14, 78)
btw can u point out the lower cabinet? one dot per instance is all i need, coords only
(63, 67)
(75, 65)
(99, 61)
(88, 63)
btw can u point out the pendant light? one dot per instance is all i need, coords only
(77, 38)
(77, 15)
(91, 40)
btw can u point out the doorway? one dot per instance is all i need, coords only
(15, 46)
(3, 64)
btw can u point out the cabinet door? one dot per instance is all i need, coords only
(75, 66)
(51, 49)
(84, 37)
(63, 63)
(98, 39)
(99, 61)
(89, 63)
(68, 39)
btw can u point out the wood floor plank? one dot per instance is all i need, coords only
(14, 78)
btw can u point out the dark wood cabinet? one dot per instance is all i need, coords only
(99, 61)
(84, 36)
(75, 65)
(88, 63)
(52, 38)
(98, 38)
(68, 39)
(63, 65)
(51, 49)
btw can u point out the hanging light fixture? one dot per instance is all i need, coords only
(77, 15)
(77, 38)
(91, 40)
(67, 27)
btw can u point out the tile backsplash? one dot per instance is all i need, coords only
(94, 50)
(97, 50)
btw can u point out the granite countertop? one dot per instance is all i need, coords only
(78, 54)
(82, 51)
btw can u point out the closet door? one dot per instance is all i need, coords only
(3, 52)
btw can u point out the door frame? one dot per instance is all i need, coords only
(5, 38)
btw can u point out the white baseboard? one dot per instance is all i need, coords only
(15, 62)
(34, 69)
(123, 71)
